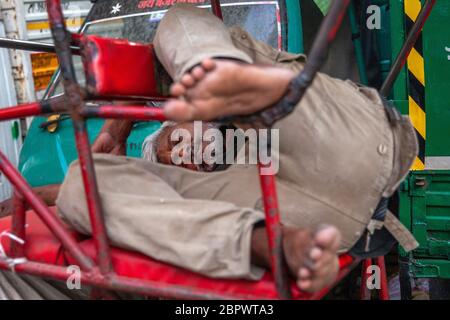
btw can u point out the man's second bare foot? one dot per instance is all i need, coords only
(218, 88)
(312, 257)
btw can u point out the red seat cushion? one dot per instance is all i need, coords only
(119, 68)
(42, 246)
(40, 243)
(138, 266)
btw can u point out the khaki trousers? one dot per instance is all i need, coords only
(338, 156)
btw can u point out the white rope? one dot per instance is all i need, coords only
(12, 262)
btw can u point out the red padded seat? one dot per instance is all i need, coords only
(40, 243)
(137, 266)
(42, 246)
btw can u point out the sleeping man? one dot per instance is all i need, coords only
(339, 156)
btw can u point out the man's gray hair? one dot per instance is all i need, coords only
(150, 145)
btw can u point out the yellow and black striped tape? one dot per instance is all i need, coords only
(416, 83)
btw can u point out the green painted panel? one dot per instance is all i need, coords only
(429, 194)
(436, 38)
(45, 156)
(399, 94)
(430, 268)
(295, 30)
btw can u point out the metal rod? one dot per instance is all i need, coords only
(407, 47)
(52, 222)
(62, 39)
(148, 287)
(21, 111)
(92, 197)
(120, 283)
(32, 46)
(384, 289)
(52, 105)
(319, 51)
(18, 224)
(364, 293)
(124, 112)
(216, 9)
(274, 232)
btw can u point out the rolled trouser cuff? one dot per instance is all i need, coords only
(187, 35)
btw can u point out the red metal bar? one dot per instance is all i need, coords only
(44, 213)
(274, 232)
(53, 105)
(62, 39)
(18, 224)
(119, 283)
(384, 290)
(147, 287)
(364, 293)
(216, 9)
(21, 111)
(124, 112)
(92, 197)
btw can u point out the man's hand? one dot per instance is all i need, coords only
(113, 137)
(106, 143)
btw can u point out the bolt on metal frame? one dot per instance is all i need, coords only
(101, 273)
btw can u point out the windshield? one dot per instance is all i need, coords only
(260, 18)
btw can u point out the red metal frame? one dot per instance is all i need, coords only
(365, 293)
(101, 273)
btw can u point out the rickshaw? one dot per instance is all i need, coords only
(46, 247)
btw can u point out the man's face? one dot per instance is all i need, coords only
(167, 142)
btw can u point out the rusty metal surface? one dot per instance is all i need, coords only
(63, 40)
(128, 112)
(274, 233)
(216, 9)
(53, 223)
(18, 224)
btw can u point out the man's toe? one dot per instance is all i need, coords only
(177, 90)
(198, 73)
(316, 253)
(304, 274)
(208, 64)
(187, 80)
(328, 237)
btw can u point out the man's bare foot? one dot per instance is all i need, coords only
(218, 88)
(312, 257)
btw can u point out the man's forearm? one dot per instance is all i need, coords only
(118, 129)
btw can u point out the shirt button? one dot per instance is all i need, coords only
(244, 36)
(382, 149)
